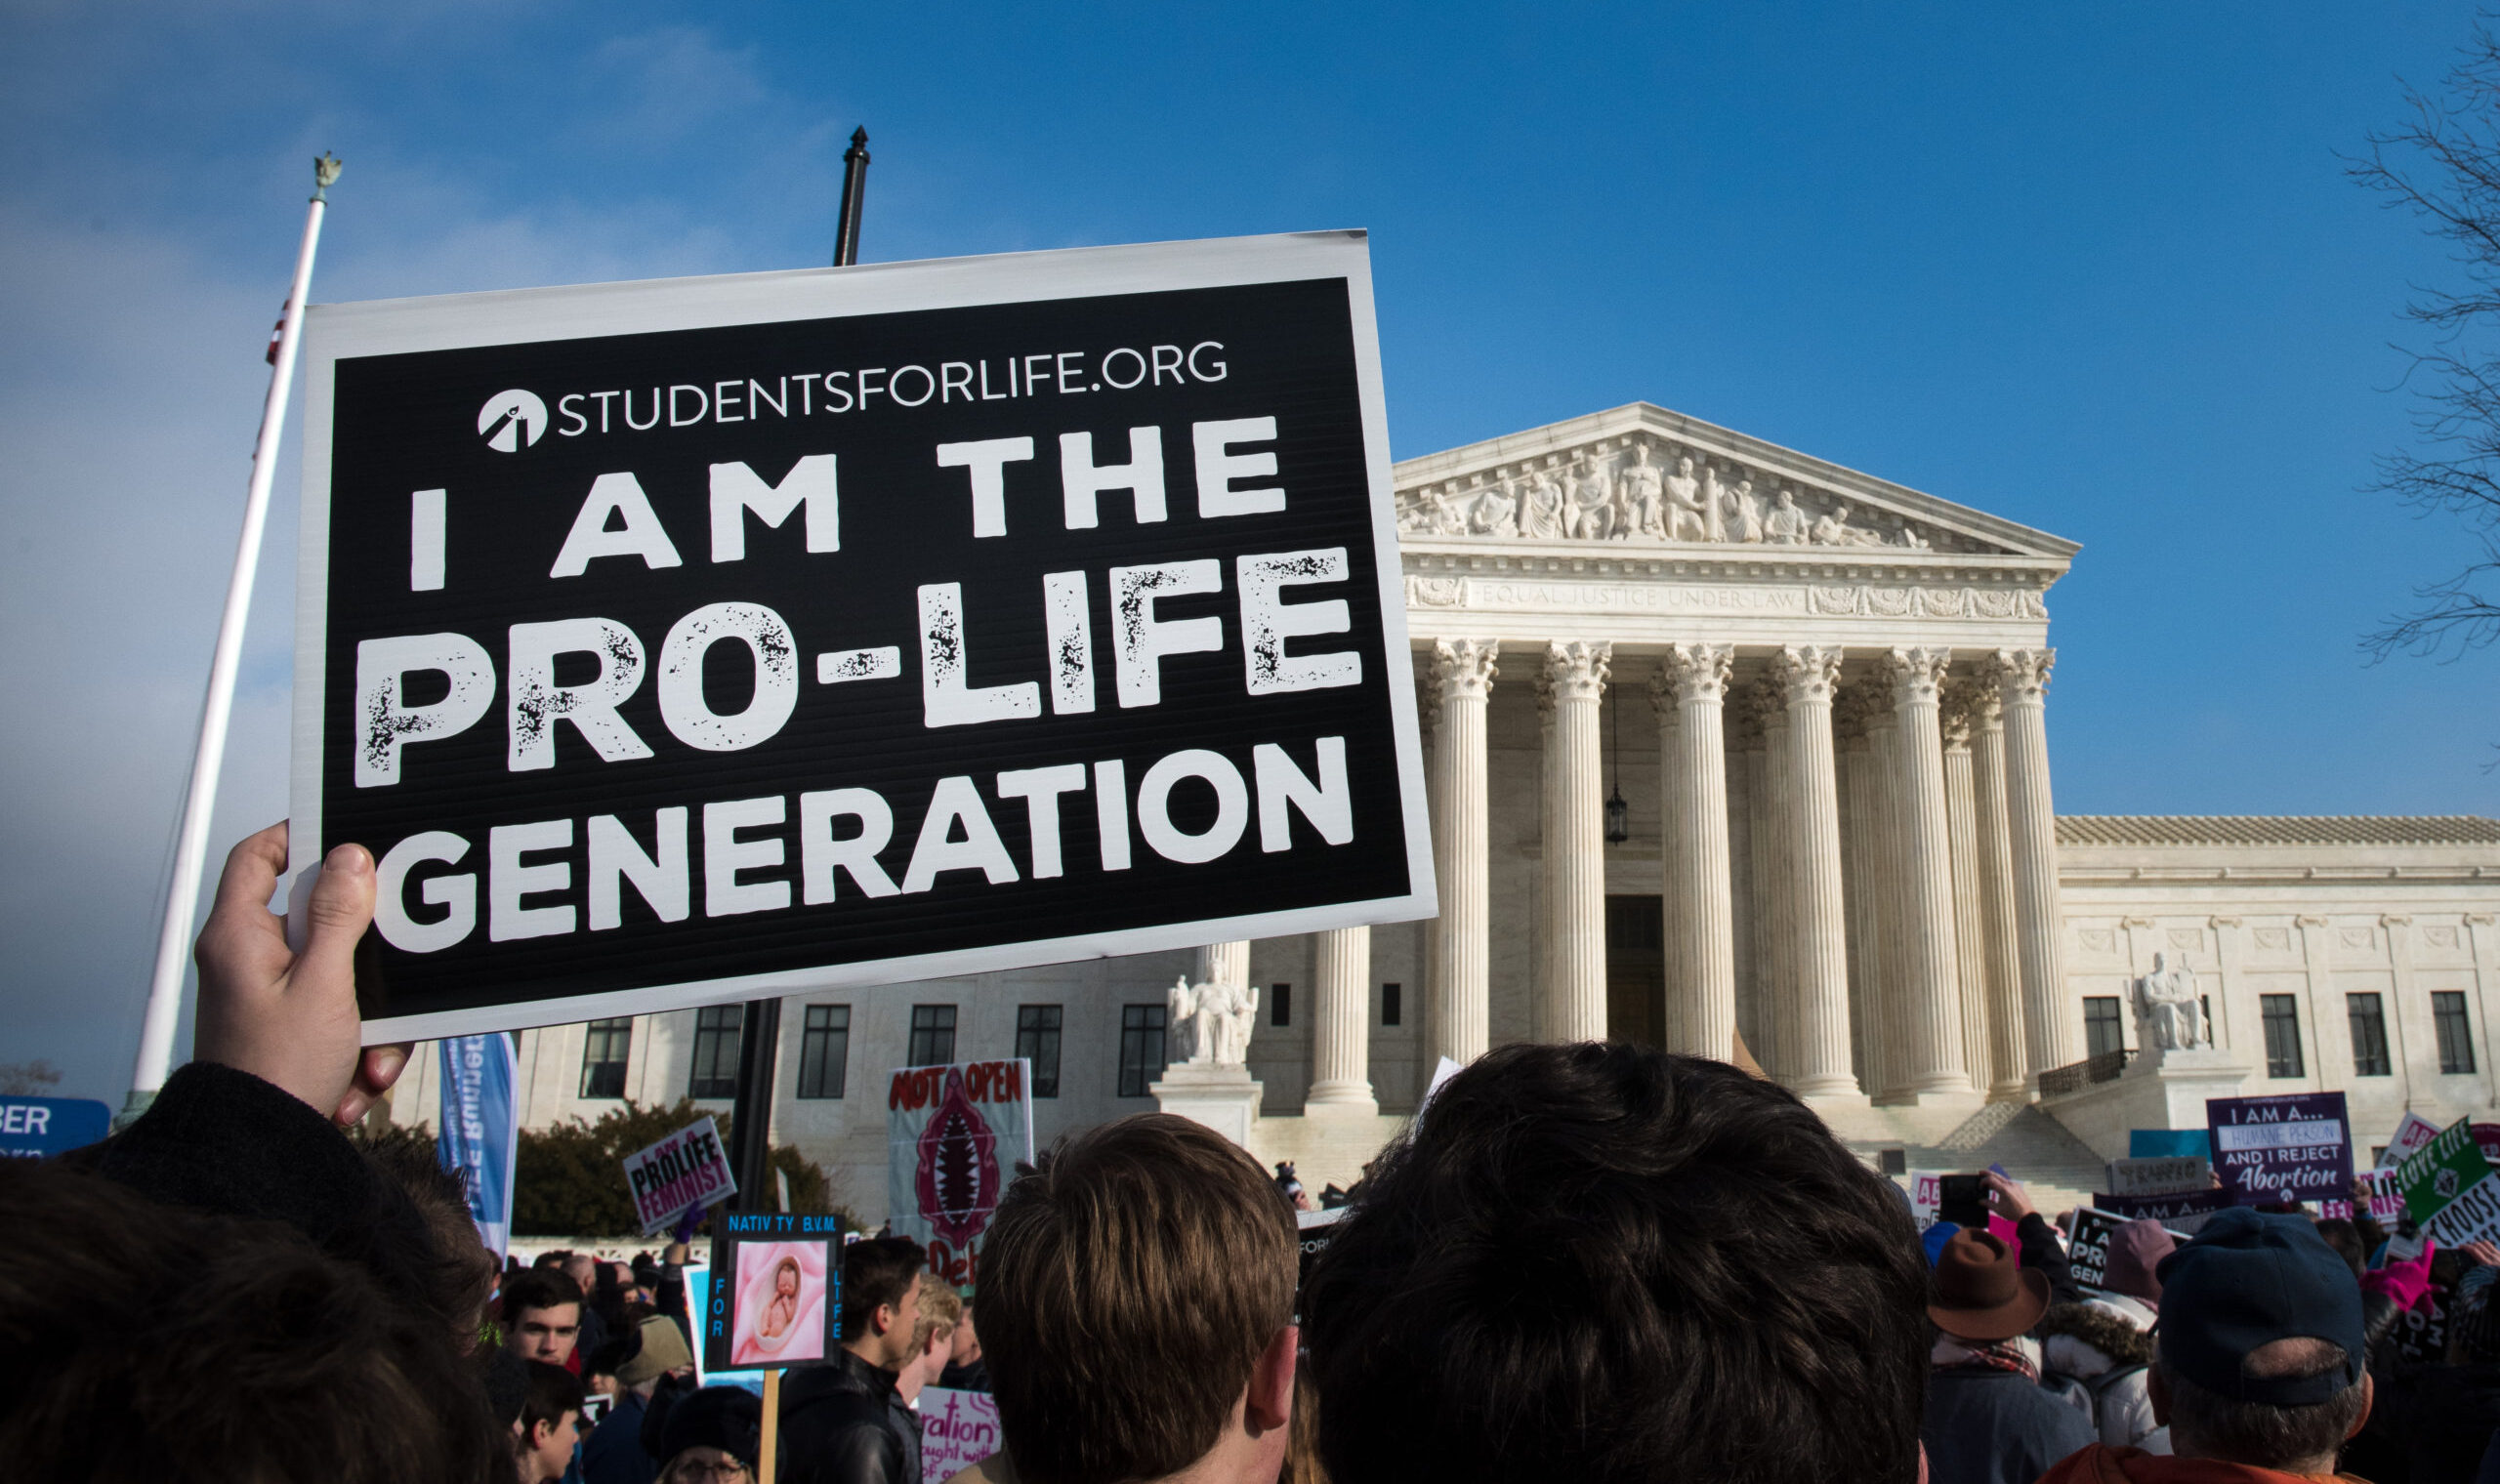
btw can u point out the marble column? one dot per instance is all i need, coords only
(1760, 869)
(1574, 1008)
(1701, 949)
(1851, 710)
(1889, 1011)
(1463, 671)
(1934, 980)
(1962, 826)
(1428, 717)
(1548, 969)
(2001, 968)
(2050, 1026)
(1341, 1023)
(1813, 906)
(1220, 964)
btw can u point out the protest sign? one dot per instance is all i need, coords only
(39, 1128)
(681, 642)
(2168, 1143)
(1316, 1228)
(2185, 1211)
(774, 1298)
(2088, 1244)
(2412, 1131)
(2449, 1188)
(479, 1136)
(2421, 1332)
(957, 1429)
(2387, 1195)
(2286, 1146)
(2487, 1137)
(954, 1136)
(2166, 1176)
(684, 1171)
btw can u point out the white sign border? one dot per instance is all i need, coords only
(458, 321)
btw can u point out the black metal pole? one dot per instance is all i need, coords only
(760, 1028)
(855, 184)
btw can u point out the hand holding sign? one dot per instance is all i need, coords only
(290, 1018)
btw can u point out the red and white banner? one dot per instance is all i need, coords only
(954, 1136)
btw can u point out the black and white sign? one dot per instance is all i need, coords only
(2088, 1244)
(678, 642)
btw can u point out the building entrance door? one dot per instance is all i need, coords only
(1636, 969)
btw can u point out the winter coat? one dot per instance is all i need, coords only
(1984, 1425)
(2453, 1415)
(2096, 1361)
(838, 1426)
(2100, 1464)
(613, 1453)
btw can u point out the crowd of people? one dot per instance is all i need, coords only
(1590, 1261)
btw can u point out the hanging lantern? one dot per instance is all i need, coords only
(1618, 818)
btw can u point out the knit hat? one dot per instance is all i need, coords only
(662, 1349)
(2136, 1250)
(1982, 1292)
(2247, 1280)
(728, 1418)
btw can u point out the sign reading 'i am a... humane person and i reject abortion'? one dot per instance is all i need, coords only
(684, 641)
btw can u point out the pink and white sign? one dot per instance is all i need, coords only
(954, 1136)
(957, 1429)
(687, 1168)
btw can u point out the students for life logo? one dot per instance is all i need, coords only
(511, 420)
(2445, 1183)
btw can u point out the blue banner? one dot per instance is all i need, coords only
(39, 1128)
(479, 1133)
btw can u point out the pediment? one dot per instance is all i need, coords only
(1642, 476)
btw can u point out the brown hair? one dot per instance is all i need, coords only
(1127, 1288)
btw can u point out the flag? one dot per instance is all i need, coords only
(479, 1135)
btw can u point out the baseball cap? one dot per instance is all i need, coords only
(660, 1350)
(2249, 1279)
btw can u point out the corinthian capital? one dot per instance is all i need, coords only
(2021, 674)
(1969, 706)
(1577, 670)
(1464, 667)
(1916, 673)
(1807, 672)
(1696, 672)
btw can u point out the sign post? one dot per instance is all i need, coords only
(707, 642)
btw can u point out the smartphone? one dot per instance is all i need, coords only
(1963, 1200)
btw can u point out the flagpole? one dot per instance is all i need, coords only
(199, 798)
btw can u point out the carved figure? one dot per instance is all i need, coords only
(1834, 530)
(1496, 512)
(1447, 518)
(2169, 1009)
(1179, 1030)
(1911, 538)
(1206, 1023)
(1542, 516)
(1744, 513)
(1241, 1012)
(1642, 489)
(1593, 503)
(1786, 525)
(1685, 521)
(1714, 521)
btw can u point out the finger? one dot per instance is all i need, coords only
(252, 868)
(376, 1070)
(341, 909)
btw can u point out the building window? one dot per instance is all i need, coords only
(716, 1051)
(604, 1058)
(1390, 1007)
(2456, 1036)
(1037, 1042)
(2101, 1032)
(2282, 1018)
(824, 1051)
(2370, 1035)
(932, 1036)
(1141, 1047)
(1280, 1005)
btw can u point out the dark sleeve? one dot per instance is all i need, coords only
(864, 1453)
(224, 1141)
(2040, 1250)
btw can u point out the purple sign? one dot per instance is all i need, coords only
(2292, 1147)
(2183, 1212)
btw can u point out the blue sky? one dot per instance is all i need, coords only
(2100, 272)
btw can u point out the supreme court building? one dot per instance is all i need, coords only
(1738, 753)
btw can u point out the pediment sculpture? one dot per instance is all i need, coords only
(1637, 490)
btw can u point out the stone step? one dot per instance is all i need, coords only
(2057, 1170)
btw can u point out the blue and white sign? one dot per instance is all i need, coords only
(39, 1128)
(480, 1135)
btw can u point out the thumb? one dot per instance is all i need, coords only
(340, 908)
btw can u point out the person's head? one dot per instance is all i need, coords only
(933, 1338)
(2136, 1253)
(1136, 1305)
(548, 1261)
(599, 1367)
(966, 1338)
(657, 1348)
(710, 1437)
(2260, 1357)
(542, 1313)
(550, 1423)
(880, 1299)
(1613, 1263)
(1981, 1293)
(143, 1340)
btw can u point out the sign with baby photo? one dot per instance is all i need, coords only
(776, 1296)
(954, 1137)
